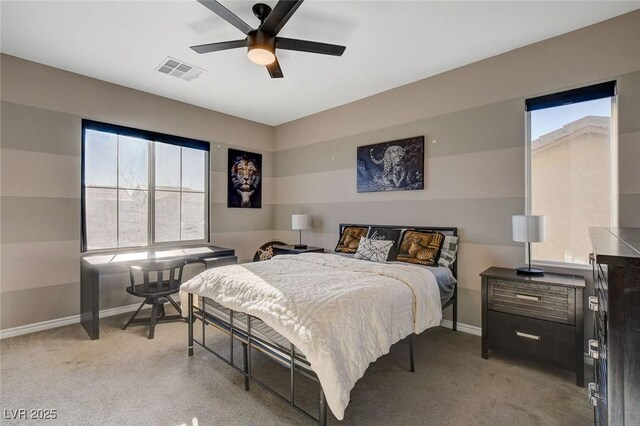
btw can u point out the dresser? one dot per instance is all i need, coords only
(535, 317)
(615, 392)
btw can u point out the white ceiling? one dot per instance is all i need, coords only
(389, 44)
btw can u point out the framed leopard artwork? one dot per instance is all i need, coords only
(391, 166)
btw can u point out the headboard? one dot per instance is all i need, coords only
(445, 230)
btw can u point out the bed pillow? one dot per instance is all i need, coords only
(448, 251)
(420, 247)
(350, 239)
(373, 250)
(388, 234)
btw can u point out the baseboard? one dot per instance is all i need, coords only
(465, 328)
(60, 322)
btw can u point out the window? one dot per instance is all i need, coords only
(572, 169)
(142, 188)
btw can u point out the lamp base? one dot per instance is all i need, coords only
(300, 246)
(525, 270)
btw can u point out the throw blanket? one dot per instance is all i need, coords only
(341, 313)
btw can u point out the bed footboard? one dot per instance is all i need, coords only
(250, 341)
(290, 360)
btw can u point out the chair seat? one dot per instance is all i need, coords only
(152, 290)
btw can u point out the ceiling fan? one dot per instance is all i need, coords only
(262, 43)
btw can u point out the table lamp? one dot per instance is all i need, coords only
(300, 222)
(528, 229)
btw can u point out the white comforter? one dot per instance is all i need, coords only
(341, 313)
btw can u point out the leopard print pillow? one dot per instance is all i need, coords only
(350, 239)
(420, 247)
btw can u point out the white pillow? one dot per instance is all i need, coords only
(373, 250)
(449, 251)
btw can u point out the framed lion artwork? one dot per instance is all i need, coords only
(244, 186)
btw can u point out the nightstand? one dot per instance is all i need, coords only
(534, 316)
(292, 250)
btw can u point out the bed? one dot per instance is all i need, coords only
(299, 310)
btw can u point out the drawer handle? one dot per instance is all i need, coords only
(527, 297)
(592, 394)
(527, 335)
(593, 303)
(593, 349)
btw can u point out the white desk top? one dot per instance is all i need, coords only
(98, 260)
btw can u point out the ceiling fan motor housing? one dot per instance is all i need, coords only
(261, 47)
(261, 11)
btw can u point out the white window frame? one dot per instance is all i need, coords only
(151, 170)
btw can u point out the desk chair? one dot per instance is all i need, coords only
(168, 277)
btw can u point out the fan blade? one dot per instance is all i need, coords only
(216, 47)
(274, 69)
(226, 14)
(280, 15)
(309, 46)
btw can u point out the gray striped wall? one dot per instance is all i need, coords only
(473, 122)
(472, 119)
(40, 183)
(474, 180)
(629, 149)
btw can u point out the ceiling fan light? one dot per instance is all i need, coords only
(261, 47)
(261, 55)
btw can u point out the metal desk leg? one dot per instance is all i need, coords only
(89, 300)
(190, 318)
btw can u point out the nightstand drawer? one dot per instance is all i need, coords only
(545, 339)
(547, 302)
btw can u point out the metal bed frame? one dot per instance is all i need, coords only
(287, 357)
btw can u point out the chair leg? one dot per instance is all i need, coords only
(134, 315)
(175, 305)
(154, 318)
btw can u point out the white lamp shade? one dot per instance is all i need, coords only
(299, 221)
(528, 229)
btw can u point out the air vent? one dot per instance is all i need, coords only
(179, 69)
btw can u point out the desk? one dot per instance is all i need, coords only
(91, 266)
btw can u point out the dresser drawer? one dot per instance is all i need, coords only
(529, 336)
(548, 302)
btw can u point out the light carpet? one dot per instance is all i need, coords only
(126, 379)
